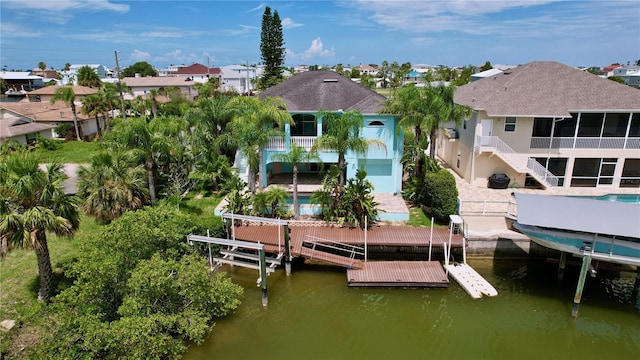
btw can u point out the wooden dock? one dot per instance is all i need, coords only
(398, 274)
(472, 282)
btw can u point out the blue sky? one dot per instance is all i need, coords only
(453, 33)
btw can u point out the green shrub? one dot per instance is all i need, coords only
(441, 194)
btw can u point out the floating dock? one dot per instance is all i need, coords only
(474, 284)
(398, 274)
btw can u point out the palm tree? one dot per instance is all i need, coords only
(67, 95)
(342, 135)
(155, 142)
(414, 108)
(93, 105)
(32, 202)
(153, 97)
(88, 77)
(267, 116)
(296, 155)
(109, 96)
(112, 185)
(445, 110)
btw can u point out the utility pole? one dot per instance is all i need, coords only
(120, 86)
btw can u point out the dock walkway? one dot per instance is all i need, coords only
(398, 274)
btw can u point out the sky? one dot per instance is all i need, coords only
(348, 32)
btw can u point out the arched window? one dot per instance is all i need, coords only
(376, 123)
(305, 125)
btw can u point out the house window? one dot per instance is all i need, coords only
(590, 125)
(542, 127)
(615, 125)
(510, 124)
(630, 174)
(305, 125)
(376, 123)
(590, 172)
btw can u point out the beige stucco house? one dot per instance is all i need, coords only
(545, 124)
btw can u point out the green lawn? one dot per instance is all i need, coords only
(77, 152)
(418, 218)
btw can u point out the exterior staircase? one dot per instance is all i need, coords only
(519, 162)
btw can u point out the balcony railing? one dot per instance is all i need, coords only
(585, 143)
(278, 143)
(511, 157)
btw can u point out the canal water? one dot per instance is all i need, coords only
(313, 314)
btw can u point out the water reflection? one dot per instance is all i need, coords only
(314, 315)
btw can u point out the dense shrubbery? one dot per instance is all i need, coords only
(437, 191)
(440, 194)
(139, 292)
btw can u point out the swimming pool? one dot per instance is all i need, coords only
(625, 198)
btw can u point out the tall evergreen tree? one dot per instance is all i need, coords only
(271, 48)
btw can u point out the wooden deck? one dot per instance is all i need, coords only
(398, 274)
(385, 235)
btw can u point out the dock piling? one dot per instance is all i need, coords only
(586, 262)
(562, 265)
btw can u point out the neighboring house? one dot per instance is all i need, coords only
(630, 75)
(46, 73)
(608, 70)
(197, 72)
(545, 124)
(485, 74)
(71, 76)
(309, 92)
(367, 69)
(45, 113)
(414, 77)
(21, 80)
(170, 70)
(140, 86)
(46, 93)
(21, 129)
(240, 78)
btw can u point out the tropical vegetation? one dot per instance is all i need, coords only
(32, 202)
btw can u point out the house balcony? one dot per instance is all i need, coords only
(585, 143)
(279, 144)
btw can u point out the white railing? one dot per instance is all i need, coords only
(305, 142)
(278, 143)
(488, 207)
(539, 170)
(511, 157)
(585, 143)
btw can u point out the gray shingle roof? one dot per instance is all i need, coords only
(325, 90)
(546, 89)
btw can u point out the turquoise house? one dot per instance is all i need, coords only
(306, 94)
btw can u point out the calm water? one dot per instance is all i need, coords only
(314, 315)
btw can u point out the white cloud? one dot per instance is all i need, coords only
(288, 23)
(10, 30)
(178, 57)
(257, 8)
(244, 29)
(138, 55)
(315, 52)
(66, 5)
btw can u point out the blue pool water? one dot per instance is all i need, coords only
(626, 198)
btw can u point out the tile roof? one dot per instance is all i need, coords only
(45, 111)
(51, 90)
(196, 69)
(325, 90)
(546, 89)
(10, 128)
(157, 81)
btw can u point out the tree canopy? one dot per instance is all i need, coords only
(142, 68)
(272, 49)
